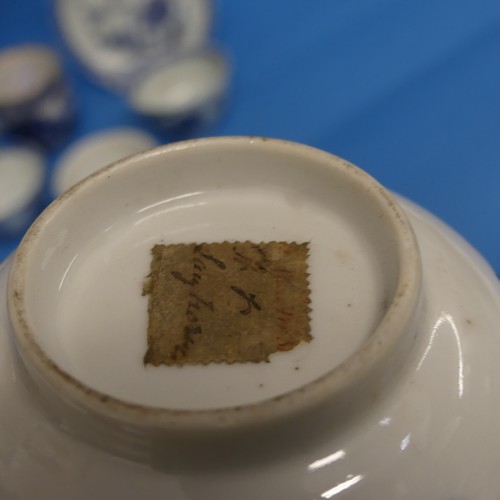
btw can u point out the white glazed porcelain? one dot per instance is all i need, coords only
(21, 181)
(395, 397)
(185, 92)
(95, 151)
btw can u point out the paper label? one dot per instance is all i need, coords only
(226, 302)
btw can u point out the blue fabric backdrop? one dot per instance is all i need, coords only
(409, 91)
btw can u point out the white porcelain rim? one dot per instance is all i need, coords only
(73, 154)
(27, 54)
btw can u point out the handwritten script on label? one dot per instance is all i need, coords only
(226, 302)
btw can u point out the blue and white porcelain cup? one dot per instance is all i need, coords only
(35, 99)
(183, 94)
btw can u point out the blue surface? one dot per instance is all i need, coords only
(409, 91)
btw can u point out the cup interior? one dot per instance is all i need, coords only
(181, 86)
(25, 73)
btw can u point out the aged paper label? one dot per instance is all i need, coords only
(226, 302)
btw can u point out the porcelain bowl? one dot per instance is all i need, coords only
(400, 373)
(21, 182)
(184, 93)
(94, 151)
